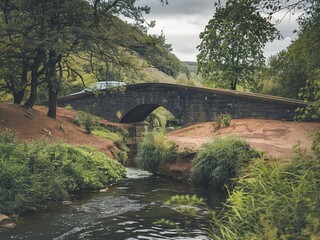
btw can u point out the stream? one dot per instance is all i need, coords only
(128, 210)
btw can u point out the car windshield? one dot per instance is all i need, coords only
(93, 86)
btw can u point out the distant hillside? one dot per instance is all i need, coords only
(157, 53)
(192, 66)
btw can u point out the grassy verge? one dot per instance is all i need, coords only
(92, 125)
(33, 174)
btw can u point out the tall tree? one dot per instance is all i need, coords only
(232, 42)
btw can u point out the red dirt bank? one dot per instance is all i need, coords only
(275, 138)
(33, 124)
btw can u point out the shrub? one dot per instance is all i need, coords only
(154, 150)
(274, 202)
(220, 160)
(221, 120)
(68, 107)
(34, 174)
(87, 120)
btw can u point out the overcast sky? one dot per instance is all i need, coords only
(182, 20)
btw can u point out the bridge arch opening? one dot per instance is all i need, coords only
(149, 112)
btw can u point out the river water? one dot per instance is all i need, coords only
(127, 210)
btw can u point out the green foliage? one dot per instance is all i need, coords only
(87, 120)
(157, 53)
(294, 72)
(287, 73)
(115, 134)
(311, 93)
(274, 202)
(68, 107)
(154, 150)
(157, 119)
(186, 200)
(118, 136)
(232, 43)
(33, 174)
(221, 120)
(220, 160)
(188, 205)
(105, 133)
(161, 118)
(43, 50)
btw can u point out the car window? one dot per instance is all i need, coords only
(93, 86)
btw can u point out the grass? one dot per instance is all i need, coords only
(106, 133)
(274, 202)
(154, 150)
(220, 160)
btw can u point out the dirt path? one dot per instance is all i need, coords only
(275, 138)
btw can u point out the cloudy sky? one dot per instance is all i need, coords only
(182, 20)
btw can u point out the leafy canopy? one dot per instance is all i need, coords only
(232, 43)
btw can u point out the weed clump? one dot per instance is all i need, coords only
(221, 120)
(220, 160)
(154, 150)
(87, 120)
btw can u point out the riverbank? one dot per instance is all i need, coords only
(275, 138)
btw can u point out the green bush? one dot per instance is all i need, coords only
(221, 159)
(154, 150)
(274, 202)
(68, 107)
(34, 174)
(87, 120)
(221, 120)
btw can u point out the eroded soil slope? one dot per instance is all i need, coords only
(33, 124)
(275, 138)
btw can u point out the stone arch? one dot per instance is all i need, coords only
(139, 113)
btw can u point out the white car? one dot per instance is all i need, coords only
(101, 86)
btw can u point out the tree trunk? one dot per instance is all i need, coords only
(19, 91)
(53, 100)
(53, 81)
(35, 74)
(18, 96)
(33, 92)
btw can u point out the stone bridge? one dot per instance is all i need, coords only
(133, 103)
